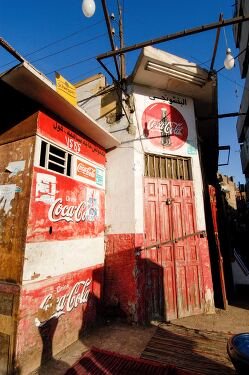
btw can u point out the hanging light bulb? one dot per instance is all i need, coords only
(88, 7)
(229, 60)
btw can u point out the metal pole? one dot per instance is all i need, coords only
(109, 29)
(180, 34)
(215, 45)
(11, 50)
(121, 36)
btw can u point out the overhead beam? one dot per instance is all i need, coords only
(180, 34)
(222, 115)
(11, 50)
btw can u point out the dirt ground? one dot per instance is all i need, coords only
(132, 340)
(235, 319)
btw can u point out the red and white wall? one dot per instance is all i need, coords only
(64, 254)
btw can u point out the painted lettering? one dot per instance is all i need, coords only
(78, 295)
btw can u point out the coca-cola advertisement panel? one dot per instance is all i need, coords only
(63, 208)
(71, 140)
(167, 122)
(69, 301)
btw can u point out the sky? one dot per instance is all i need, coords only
(56, 36)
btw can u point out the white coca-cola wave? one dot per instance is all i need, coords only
(78, 295)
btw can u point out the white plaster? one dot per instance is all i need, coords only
(120, 198)
(54, 258)
(209, 301)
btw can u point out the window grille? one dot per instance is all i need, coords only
(55, 159)
(168, 167)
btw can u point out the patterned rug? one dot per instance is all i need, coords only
(97, 362)
(198, 351)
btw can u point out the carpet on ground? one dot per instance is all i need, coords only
(98, 361)
(204, 352)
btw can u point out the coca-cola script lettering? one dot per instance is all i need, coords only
(86, 170)
(78, 295)
(164, 126)
(75, 213)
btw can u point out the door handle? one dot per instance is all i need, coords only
(168, 201)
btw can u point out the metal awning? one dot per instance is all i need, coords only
(32, 83)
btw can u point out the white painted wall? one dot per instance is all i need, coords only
(120, 187)
(53, 258)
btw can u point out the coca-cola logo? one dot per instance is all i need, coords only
(164, 126)
(86, 170)
(70, 213)
(54, 307)
(84, 211)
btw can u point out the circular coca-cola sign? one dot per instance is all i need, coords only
(164, 126)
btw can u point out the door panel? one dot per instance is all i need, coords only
(169, 217)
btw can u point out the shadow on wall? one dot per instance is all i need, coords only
(134, 288)
(47, 332)
(90, 313)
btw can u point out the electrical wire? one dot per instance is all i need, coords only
(56, 41)
(70, 65)
(68, 48)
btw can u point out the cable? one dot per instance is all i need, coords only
(55, 42)
(68, 48)
(87, 72)
(69, 66)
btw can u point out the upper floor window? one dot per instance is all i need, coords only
(55, 159)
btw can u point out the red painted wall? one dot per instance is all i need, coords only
(55, 311)
(121, 274)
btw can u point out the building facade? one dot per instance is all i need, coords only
(157, 263)
(52, 202)
(241, 37)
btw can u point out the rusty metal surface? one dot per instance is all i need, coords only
(14, 200)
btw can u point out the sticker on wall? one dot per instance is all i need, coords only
(164, 126)
(45, 188)
(7, 194)
(191, 150)
(90, 173)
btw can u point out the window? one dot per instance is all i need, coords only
(55, 159)
(169, 167)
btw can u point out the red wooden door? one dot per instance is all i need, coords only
(170, 217)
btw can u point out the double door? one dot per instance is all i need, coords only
(173, 264)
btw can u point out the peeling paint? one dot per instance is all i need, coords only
(15, 167)
(7, 194)
(35, 276)
(209, 302)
